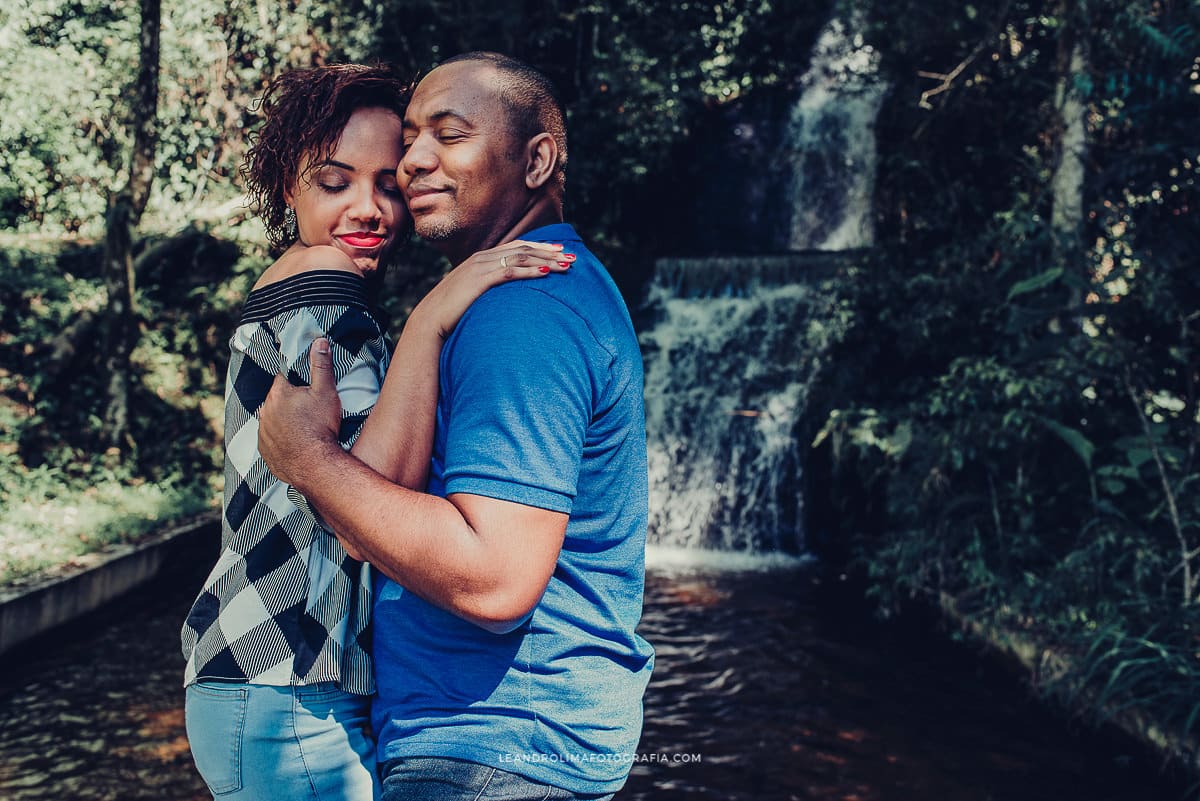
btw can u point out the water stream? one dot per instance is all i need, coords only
(766, 687)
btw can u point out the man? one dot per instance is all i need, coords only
(506, 657)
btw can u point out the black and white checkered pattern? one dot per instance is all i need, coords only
(285, 604)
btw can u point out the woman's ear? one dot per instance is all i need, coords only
(543, 159)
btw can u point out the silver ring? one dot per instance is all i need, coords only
(504, 262)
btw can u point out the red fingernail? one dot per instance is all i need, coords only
(543, 269)
(564, 264)
(570, 256)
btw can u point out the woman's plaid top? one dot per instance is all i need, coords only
(285, 604)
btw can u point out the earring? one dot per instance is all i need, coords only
(289, 221)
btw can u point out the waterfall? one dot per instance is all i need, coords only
(729, 362)
(735, 343)
(830, 142)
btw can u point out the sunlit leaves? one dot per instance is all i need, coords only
(64, 103)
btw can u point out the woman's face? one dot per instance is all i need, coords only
(352, 201)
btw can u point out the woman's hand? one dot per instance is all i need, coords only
(512, 261)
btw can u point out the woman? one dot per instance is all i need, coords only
(278, 669)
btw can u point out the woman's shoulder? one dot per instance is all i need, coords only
(307, 278)
(297, 261)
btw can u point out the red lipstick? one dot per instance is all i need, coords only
(363, 240)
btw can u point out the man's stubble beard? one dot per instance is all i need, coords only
(437, 230)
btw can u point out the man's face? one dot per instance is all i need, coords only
(463, 176)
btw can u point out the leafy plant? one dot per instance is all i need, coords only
(1025, 407)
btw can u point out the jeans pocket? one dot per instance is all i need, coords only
(216, 716)
(504, 786)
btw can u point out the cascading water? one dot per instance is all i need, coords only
(830, 142)
(737, 342)
(728, 368)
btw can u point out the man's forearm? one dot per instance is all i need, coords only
(427, 544)
(486, 560)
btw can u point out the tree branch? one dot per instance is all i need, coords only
(947, 78)
(1189, 579)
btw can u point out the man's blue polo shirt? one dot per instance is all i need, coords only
(541, 403)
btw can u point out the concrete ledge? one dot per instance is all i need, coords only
(30, 611)
(1036, 662)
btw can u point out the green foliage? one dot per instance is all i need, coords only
(50, 519)
(64, 106)
(61, 498)
(1023, 404)
(61, 492)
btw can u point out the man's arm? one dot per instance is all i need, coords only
(486, 560)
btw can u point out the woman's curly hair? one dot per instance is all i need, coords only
(305, 112)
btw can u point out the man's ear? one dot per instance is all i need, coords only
(542, 153)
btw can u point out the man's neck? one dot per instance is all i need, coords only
(545, 212)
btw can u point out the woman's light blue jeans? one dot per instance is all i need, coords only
(253, 742)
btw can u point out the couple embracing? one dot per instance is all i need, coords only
(429, 583)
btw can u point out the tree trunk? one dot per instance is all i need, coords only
(1070, 163)
(124, 212)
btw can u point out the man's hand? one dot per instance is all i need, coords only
(298, 426)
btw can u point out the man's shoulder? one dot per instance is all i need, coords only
(522, 306)
(562, 232)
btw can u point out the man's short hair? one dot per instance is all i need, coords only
(531, 100)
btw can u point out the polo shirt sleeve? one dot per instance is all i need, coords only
(517, 382)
